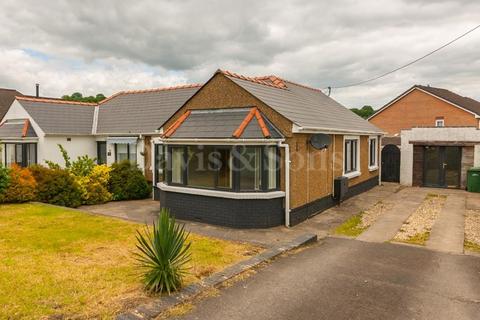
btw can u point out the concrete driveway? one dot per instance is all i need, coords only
(145, 211)
(349, 279)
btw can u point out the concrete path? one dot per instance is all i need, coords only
(447, 233)
(145, 211)
(348, 279)
(388, 224)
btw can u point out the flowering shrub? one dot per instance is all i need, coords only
(57, 186)
(21, 187)
(127, 182)
(94, 186)
(4, 179)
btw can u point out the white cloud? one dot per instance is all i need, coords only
(106, 46)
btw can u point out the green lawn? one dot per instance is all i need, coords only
(56, 261)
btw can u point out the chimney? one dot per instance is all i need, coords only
(37, 91)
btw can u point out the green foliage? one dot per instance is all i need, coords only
(127, 182)
(77, 96)
(163, 254)
(21, 186)
(83, 166)
(4, 179)
(57, 186)
(65, 156)
(352, 227)
(364, 112)
(94, 186)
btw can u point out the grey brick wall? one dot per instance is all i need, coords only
(234, 213)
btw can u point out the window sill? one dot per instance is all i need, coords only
(372, 168)
(352, 175)
(222, 194)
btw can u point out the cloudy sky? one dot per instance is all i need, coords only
(107, 46)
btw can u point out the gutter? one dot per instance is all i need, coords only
(229, 141)
(297, 129)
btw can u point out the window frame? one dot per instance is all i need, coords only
(356, 171)
(442, 120)
(372, 166)
(24, 151)
(128, 152)
(99, 143)
(235, 174)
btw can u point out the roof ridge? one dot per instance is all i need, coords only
(183, 86)
(54, 100)
(252, 79)
(304, 86)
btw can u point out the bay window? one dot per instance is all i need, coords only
(22, 154)
(227, 168)
(250, 168)
(351, 156)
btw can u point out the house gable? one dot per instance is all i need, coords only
(17, 111)
(418, 108)
(220, 92)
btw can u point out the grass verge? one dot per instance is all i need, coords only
(471, 246)
(69, 264)
(352, 227)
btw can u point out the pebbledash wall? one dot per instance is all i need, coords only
(469, 135)
(311, 190)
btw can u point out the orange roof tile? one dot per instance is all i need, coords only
(47, 100)
(277, 84)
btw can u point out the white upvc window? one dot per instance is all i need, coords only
(372, 153)
(439, 122)
(351, 156)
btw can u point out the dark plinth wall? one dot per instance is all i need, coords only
(246, 213)
(234, 213)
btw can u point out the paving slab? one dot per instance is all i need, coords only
(448, 232)
(386, 227)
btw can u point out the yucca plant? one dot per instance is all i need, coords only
(163, 254)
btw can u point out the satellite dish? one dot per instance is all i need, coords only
(320, 141)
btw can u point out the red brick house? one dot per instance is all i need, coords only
(431, 137)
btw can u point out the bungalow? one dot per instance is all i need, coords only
(118, 128)
(255, 152)
(432, 137)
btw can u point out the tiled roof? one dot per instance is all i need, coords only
(464, 102)
(54, 100)
(17, 129)
(141, 111)
(7, 96)
(55, 116)
(306, 107)
(240, 123)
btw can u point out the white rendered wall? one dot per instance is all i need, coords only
(433, 134)
(78, 146)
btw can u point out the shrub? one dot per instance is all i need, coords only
(127, 182)
(57, 186)
(94, 187)
(83, 166)
(4, 179)
(163, 254)
(21, 187)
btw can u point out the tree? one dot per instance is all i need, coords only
(77, 96)
(364, 112)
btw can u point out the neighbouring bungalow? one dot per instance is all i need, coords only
(256, 152)
(126, 122)
(432, 137)
(116, 129)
